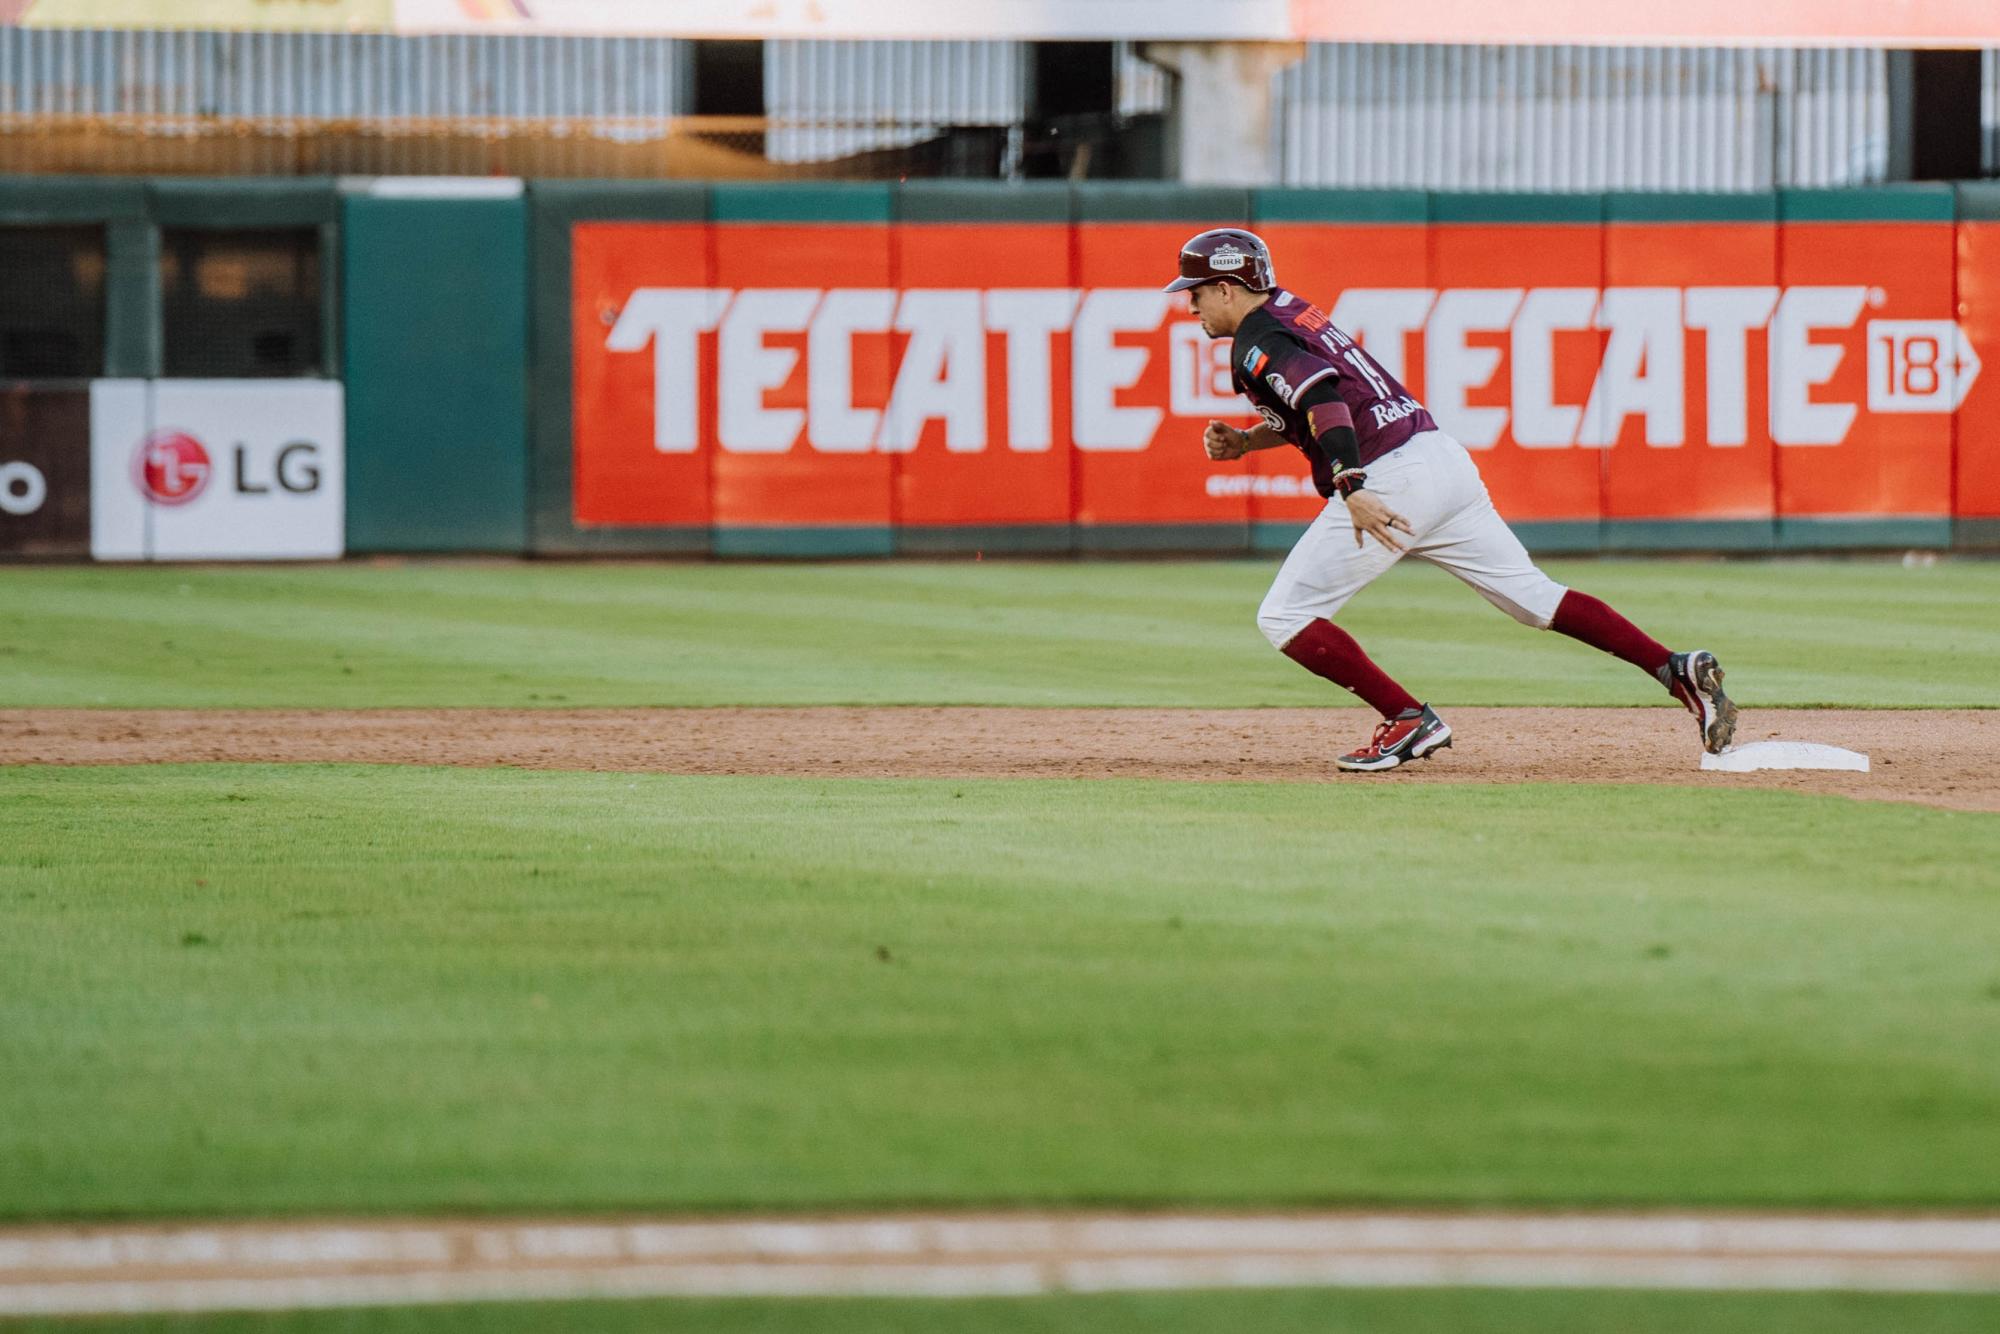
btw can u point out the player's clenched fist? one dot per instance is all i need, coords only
(1223, 442)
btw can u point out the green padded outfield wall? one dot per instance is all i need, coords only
(119, 205)
(1854, 413)
(258, 204)
(436, 355)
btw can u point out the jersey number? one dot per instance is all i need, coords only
(1360, 361)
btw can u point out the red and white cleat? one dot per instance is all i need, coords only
(1412, 734)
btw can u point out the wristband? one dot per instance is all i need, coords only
(1348, 481)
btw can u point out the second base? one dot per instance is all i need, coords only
(1785, 755)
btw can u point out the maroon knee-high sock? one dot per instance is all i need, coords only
(1324, 649)
(1584, 618)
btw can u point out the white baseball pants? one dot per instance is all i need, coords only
(1432, 482)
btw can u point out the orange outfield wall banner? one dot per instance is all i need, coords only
(797, 438)
(969, 374)
(1143, 384)
(1977, 454)
(981, 428)
(643, 375)
(1862, 345)
(1704, 452)
(1511, 347)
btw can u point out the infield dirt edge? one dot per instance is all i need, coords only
(1941, 758)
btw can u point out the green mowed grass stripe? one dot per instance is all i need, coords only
(1116, 633)
(272, 989)
(1303, 1311)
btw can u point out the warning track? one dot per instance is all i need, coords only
(1936, 757)
(248, 1266)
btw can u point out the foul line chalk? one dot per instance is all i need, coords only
(247, 1266)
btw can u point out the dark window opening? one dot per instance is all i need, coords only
(241, 304)
(1073, 129)
(1075, 78)
(1945, 132)
(728, 79)
(52, 322)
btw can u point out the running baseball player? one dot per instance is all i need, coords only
(1394, 484)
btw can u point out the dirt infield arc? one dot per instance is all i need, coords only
(1940, 758)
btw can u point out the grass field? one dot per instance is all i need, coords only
(1859, 634)
(286, 989)
(295, 989)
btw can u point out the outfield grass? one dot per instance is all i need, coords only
(1856, 633)
(273, 989)
(1281, 1312)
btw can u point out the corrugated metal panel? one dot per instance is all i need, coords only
(340, 76)
(235, 102)
(831, 99)
(1833, 122)
(1450, 117)
(1581, 118)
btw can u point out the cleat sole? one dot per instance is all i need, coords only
(1361, 767)
(1721, 729)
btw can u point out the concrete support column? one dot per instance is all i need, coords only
(1219, 132)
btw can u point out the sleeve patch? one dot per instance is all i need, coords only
(1255, 360)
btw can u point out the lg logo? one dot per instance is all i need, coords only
(22, 488)
(172, 468)
(295, 469)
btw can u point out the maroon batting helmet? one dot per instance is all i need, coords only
(1224, 255)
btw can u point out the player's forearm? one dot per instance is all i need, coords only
(1262, 437)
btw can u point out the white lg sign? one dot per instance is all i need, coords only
(217, 470)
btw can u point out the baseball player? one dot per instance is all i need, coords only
(1394, 484)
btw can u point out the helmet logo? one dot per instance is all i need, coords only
(1226, 258)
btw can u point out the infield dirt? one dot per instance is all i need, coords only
(1933, 757)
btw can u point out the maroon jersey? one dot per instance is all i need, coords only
(1288, 346)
